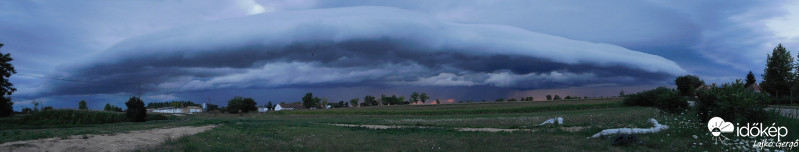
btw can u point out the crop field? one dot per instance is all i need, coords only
(509, 126)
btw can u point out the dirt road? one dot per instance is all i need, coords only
(117, 142)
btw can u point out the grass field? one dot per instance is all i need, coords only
(426, 128)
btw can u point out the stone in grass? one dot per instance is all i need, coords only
(625, 139)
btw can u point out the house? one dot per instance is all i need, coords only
(754, 87)
(168, 110)
(705, 87)
(290, 106)
(263, 109)
(173, 110)
(191, 110)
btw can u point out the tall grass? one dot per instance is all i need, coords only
(71, 117)
(77, 117)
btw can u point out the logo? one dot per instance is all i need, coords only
(716, 125)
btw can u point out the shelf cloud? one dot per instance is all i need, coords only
(357, 46)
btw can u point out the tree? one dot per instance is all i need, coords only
(354, 102)
(530, 98)
(35, 106)
(27, 110)
(370, 101)
(6, 88)
(778, 73)
(82, 105)
(324, 103)
(500, 99)
(136, 111)
(549, 97)
(687, 84)
(241, 104)
(309, 101)
(423, 97)
(414, 97)
(621, 93)
(750, 79)
(269, 106)
(438, 102)
(512, 99)
(557, 97)
(107, 107)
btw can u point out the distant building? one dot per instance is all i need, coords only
(263, 109)
(168, 110)
(173, 110)
(754, 87)
(192, 109)
(290, 106)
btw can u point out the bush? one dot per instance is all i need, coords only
(663, 98)
(156, 117)
(136, 111)
(733, 102)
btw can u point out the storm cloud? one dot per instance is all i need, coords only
(357, 47)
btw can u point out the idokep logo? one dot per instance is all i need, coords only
(716, 125)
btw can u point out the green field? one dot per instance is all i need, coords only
(426, 128)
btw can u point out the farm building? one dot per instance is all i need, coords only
(263, 109)
(186, 110)
(291, 106)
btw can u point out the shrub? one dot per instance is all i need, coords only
(156, 117)
(136, 111)
(663, 98)
(733, 102)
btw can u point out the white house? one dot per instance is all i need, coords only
(263, 109)
(187, 110)
(168, 110)
(278, 107)
(291, 106)
(192, 109)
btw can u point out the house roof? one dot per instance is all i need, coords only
(292, 105)
(706, 87)
(754, 87)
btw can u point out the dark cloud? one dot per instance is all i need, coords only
(359, 46)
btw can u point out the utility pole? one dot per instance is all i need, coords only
(139, 90)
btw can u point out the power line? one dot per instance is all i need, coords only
(70, 80)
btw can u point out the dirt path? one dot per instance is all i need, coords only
(117, 142)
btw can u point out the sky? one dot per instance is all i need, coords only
(274, 50)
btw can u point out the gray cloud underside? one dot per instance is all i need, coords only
(357, 46)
